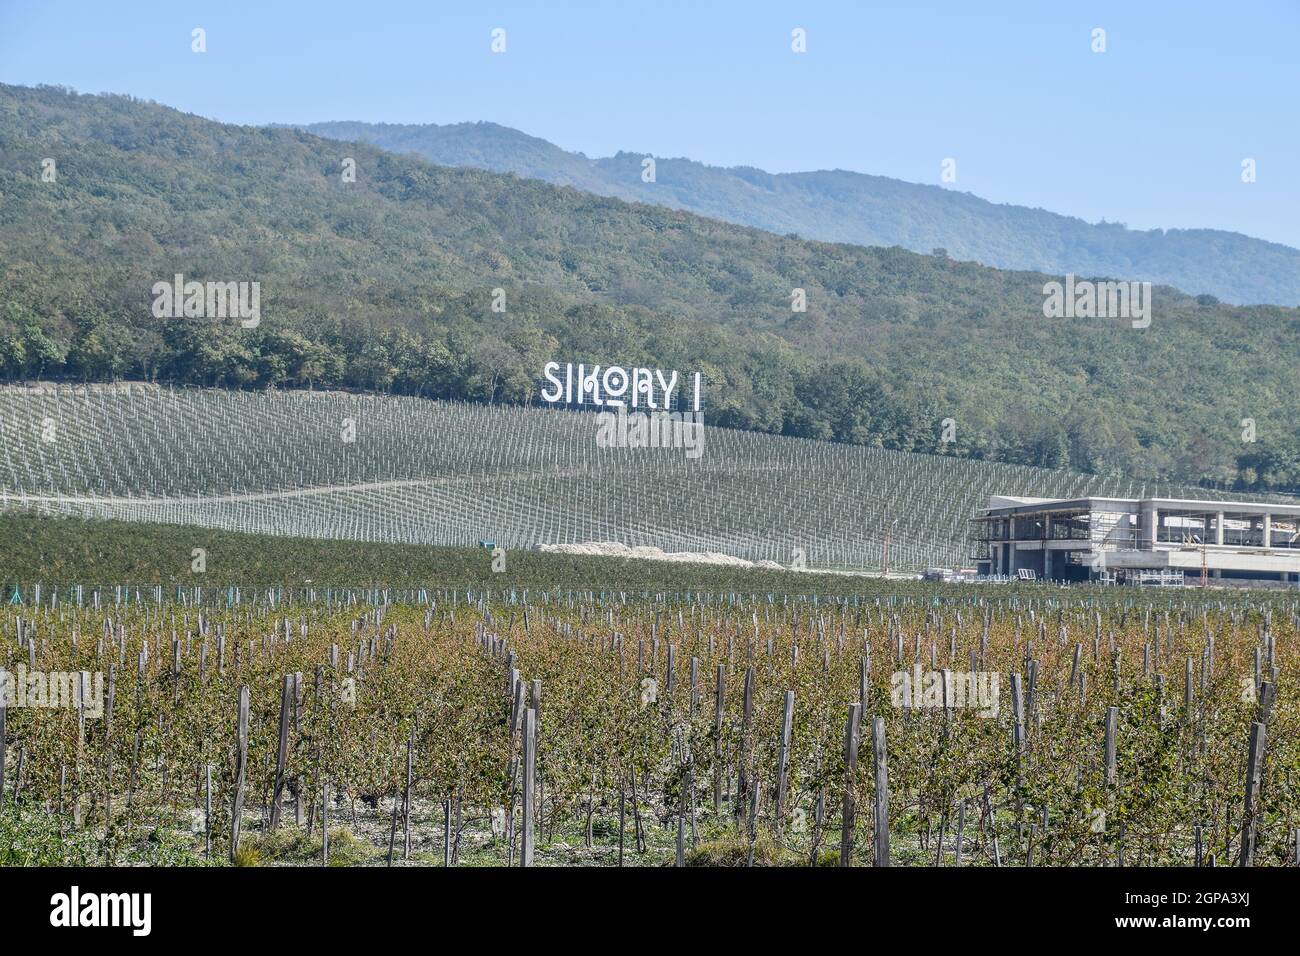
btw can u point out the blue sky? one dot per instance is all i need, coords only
(1151, 133)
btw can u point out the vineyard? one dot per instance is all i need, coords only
(136, 555)
(412, 471)
(473, 727)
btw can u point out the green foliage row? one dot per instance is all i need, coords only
(74, 550)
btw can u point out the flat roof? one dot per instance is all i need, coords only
(1003, 505)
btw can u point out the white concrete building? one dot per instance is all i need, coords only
(1165, 540)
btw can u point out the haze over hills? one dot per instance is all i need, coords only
(841, 206)
(386, 284)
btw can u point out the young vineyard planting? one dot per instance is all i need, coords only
(407, 470)
(454, 728)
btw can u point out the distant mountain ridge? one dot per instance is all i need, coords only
(842, 206)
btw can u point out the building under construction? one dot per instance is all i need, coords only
(1143, 541)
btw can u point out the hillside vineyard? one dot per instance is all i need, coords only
(406, 470)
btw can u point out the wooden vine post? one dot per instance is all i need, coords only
(2, 751)
(850, 784)
(1254, 767)
(718, 702)
(282, 752)
(881, 814)
(241, 770)
(530, 770)
(783, 761)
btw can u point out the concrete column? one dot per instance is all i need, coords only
(1150, 526)
(1218, 534)
(1268, 531)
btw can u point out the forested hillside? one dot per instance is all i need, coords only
(841, 206)
(386, 283)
